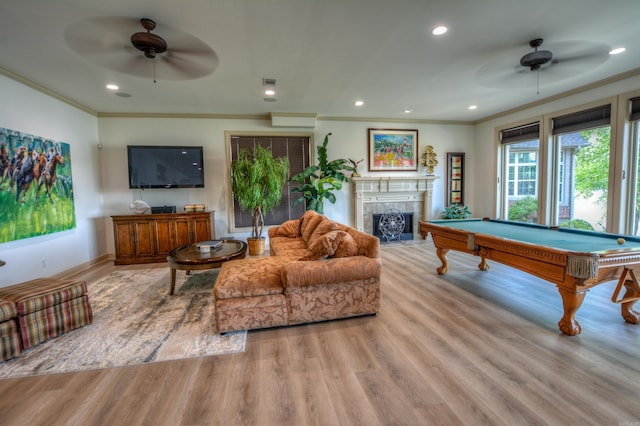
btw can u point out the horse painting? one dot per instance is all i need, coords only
(24, 175)
(31, 166)
(48, 175)
(4, 163)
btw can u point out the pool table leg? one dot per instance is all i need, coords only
(571, 301)
(442, 255)
(632, 293)
(483, 265)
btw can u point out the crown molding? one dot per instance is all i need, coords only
(396, 120)
(619, 77)
(42, 89)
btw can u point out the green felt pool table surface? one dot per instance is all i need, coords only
(560, 238)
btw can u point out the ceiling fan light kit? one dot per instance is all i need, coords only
(536, 59)
(148, 43)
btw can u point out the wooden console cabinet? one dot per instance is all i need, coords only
(148, 238)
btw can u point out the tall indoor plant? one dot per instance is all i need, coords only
(317, 182)
(257, 179)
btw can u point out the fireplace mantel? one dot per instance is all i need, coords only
(390, 190)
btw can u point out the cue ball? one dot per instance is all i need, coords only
(620, 240)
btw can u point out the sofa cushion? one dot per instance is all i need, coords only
(258, 276)
(292, 248)
(325, 245)
(288, 229)
(325, 225)
(7, 310)
(347, 247)
(42, 293)
(309, 222)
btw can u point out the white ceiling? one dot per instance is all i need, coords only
(325, 54)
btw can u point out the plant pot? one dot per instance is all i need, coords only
(256, 246)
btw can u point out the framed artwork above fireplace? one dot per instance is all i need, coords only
(393, 150)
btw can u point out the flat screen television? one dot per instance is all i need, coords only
(165, 166)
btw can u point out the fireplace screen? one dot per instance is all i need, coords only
(388, 231)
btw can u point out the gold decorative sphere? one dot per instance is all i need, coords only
(428, 159)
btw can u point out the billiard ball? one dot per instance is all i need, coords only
(620, 240)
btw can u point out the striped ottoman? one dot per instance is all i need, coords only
(9, 339)
(48, 308)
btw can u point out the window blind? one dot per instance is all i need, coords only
(582, 120)
(297, 149)
(635, 109)
(527, 132)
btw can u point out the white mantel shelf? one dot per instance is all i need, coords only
(387, 189)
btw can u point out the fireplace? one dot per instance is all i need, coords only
(407, 234)
(375, 195)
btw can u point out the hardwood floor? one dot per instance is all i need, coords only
(470, 347)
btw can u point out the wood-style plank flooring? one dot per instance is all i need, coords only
(467, 348)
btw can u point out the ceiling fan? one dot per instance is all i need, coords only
(113, 43)
(560, 61)
(148, 43)
(537, 58)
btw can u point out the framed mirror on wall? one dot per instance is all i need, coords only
(455, 178)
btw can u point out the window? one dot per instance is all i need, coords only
(297, 148)
(583, 140)
(521, 151)
(523, 167)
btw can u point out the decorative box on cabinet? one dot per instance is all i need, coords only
(148, 238)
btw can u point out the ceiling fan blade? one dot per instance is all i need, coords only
(569, 59)
(94, 35)
(107, 43)
(588, 54)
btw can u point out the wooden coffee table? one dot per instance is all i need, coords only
(190, 258)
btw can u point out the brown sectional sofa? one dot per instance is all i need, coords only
(317, 270)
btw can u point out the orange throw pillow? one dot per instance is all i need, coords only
(347, 247)
(332, 244)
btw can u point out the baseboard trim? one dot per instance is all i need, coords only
(84, 267)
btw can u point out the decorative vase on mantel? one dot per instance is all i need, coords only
(428, 160)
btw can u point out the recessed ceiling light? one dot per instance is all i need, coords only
(112, 86)
(358, 103)
(617, 51)
(269, 92)
(472, 107)
(439, 30)
(407, 111)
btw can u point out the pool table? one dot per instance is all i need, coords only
(573, 260)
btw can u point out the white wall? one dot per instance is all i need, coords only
(348, 140)
(30, 111)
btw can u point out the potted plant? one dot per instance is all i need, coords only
(456, 211)
(257, 179)
(317, 182)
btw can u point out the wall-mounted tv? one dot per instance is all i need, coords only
(165, 166)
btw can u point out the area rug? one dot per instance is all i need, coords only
(135, 321)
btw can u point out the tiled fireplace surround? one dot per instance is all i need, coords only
(374, 195)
